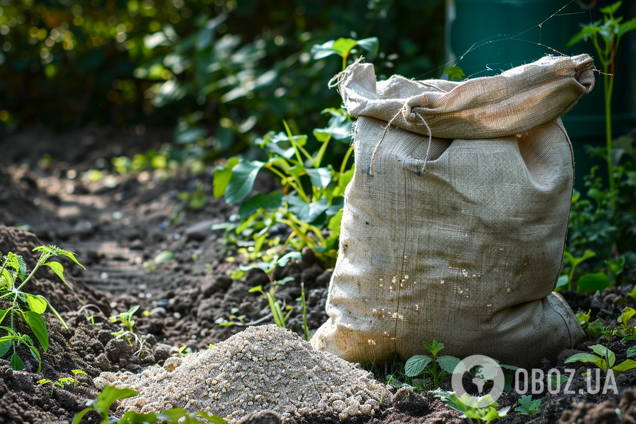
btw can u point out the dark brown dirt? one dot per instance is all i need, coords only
(117, 227)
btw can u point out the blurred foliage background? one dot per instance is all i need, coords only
(220, 72)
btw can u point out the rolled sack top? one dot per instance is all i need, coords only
(513, 102)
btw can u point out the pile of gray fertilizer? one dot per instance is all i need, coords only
(260, 368)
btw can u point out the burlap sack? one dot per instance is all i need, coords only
(457, 238)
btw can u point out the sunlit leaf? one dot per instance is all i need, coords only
(242, 180)
(415, 365)
(222, 176)
(38, 326)
(36, 303)
(16, 362)
(261, 201)
(593, 281)
(371, 45)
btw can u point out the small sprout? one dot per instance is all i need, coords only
(528, 407)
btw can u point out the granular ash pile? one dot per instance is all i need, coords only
(264, 367)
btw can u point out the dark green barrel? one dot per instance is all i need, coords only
(480, 34)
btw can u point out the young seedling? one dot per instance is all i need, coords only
(279, 318)
(184, 350)
(605, 359)
(468, 406)
(126, 321)
(417, 364)
(593, 329)
(63, 381)
(527, 406)
(25, 306)
(111, 394)
(233, 319)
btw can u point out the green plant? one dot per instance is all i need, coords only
(527, 406)
(63, 381)
(605, 359)
(110, 394)
(312, 195)
(418, 364)
(160, 257)
(603, 221)
(468, 406)
(610, 30)
(593, 329)
(25, 306)
(274, 305)
(233, 319)
(126, 321)
(184, 350)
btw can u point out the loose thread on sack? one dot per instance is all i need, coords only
(386, 129)
(377, 146)
(430, 140)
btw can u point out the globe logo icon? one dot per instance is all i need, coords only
(485, 370)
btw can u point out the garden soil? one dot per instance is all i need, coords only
(116, 224)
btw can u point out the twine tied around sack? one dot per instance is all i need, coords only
(341, 76)
(408, 113)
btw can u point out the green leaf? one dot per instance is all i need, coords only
(242, 181)
(372, 45)
(448, 363)
(163, 256)
(555, 381)
(132, 417)
(627, 314)
(38, 326)
(320, 177)
(304, 211)
(630, 352)
(214, 419)
(171, 414)
(562, 282)
(455, 73)
(4, 347)
(612, 8)
(585, 358)
(321, 51)
(109, 395)
(36, 303)
(3, 313)
(626, 365)
(16, 362)
(80, 415)
(627, 27)
(604, 352)
(415, 365)
(434, 347)
(339, 128)
(593, 281)
(58, 269)
(261, 201)
(344, 45)
(71, 256)
(222, 176)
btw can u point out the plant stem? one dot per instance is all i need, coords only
(608, 86)
(345, 160)
(40, 262)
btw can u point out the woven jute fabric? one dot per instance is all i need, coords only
(459, 236)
